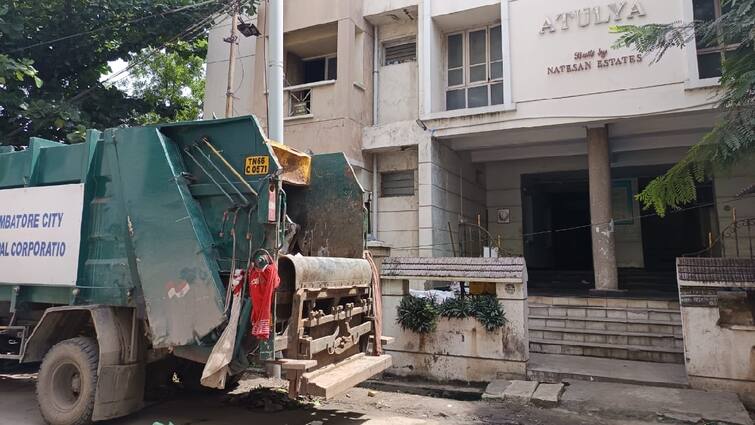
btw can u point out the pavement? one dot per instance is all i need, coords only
(558, 367)
(359, 406)
(614, 400)
(511, 403)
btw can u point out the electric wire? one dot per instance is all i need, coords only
(188, 34)
(731, 199)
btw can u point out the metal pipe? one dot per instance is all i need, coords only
(229, 166)
(230, 183)
(375, 74)
(299, 272)
(275, 71)
(220, 187)
(375, 195)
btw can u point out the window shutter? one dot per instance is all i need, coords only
(399, 183)
(400, 53)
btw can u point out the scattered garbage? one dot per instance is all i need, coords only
(271, 400)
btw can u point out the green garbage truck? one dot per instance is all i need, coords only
(126, 261)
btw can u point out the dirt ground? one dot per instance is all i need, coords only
(356, 407)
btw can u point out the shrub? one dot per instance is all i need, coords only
(417, 314)
(488, 311)
(456, 308)
(421, 314)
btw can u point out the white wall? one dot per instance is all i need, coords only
(539, 99)
(398, 215)
(533, 53)
(398, 90)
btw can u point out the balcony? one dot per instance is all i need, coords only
(310, 101)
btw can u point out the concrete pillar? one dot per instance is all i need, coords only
(345, 76)
(426, 157)
(601, 212)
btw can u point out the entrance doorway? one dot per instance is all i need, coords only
(678, 233)
(557, 239)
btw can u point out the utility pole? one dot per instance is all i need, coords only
(275, 71)
(231, 40)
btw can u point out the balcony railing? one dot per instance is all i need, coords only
(309, 100)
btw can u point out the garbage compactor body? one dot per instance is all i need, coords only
(116, 257)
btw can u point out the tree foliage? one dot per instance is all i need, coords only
(171, 82)
(63, 48)
(732, 140)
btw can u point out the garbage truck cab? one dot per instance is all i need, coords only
(184, 250)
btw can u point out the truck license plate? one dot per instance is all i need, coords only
(255, 165)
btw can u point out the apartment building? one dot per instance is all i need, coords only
(509, 125)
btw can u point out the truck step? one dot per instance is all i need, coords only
(12, 341)
(332, 380)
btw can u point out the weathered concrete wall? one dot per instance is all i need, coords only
(397, 90)
(398, 215)
(398, 93)
(460, 349)
(719, 334)
(452, 189)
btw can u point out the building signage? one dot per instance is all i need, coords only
(40, 233)
(593, 59)
(594, 15)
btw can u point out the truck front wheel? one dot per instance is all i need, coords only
(67, 381)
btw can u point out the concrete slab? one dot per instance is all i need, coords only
(558, 368)
(495, 389)
(616, 400)
(520, 391)
(547, 395)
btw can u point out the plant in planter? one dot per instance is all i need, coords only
(456, 308)
(417, 314)
(421, 314)
(488, 311)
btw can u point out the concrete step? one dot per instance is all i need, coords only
(608, 350)
(607, 324)
(670, 304)
(645, 339)
(629, 313)
(555, 368)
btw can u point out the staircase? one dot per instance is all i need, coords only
(617, 328)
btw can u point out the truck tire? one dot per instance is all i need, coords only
(67, 382)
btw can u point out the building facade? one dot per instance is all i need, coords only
(502, 125)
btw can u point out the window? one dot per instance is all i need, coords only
(474, 68)
(320, 69)
(400, 52)
(710, 53)
(397, 183)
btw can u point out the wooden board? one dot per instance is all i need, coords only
(344, 375)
